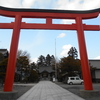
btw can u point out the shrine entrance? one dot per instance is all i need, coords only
(45, 75)
(78, 16)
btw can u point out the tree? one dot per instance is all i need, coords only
(23, 53)
(33, 66)
(22, 65)
(41, 61)
(73, 53)
(3, 67)
(52, 57)
(33, 77)
(48, 60)
(70, 65)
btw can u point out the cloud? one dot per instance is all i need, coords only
(65, 48)
(17, 3)
(10, 3)
(98, 57)
(77, 4)
(28, 3)
(67, 21)
(34, 60)
(91, 4)
(61, 35)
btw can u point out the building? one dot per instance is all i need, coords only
(4, 52)
(46, 73)
(96, 70)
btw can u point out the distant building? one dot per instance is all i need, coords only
(96, 71)
(46, 73)
(4, 52)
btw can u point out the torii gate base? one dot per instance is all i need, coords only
(18, 14)
(12, 95)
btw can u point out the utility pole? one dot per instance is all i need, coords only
(55, 63)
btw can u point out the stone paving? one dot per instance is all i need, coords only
(46, 90)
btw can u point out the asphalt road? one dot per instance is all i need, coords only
(76, 89)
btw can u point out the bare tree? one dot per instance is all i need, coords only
(23, 53)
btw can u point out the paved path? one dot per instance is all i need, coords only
(46, 90)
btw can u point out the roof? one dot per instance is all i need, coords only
(45, 68)
(3, 51)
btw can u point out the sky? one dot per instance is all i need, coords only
(42, 42)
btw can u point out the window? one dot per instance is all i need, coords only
(77, 79)
(72, 78)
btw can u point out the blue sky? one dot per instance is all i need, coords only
(42, 42)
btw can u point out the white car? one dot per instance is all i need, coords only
(74, 80)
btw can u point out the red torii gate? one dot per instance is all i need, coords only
(18, 14)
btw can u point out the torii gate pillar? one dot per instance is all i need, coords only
(8, 86)
(83, 55)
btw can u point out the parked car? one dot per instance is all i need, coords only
(74, 80)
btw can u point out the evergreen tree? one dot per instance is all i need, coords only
(73, 53)
(48, 60)
(69, 65)
(22, 65)
(33, 66)
(41, 61)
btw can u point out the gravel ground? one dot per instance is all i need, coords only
(76, 89)
(21, 89)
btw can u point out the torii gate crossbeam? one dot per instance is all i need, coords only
(18, 14)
